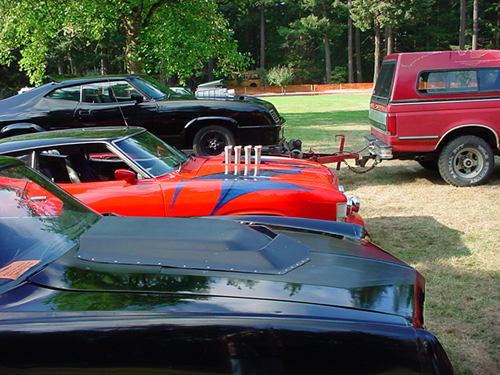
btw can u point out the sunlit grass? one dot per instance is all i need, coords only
(451, 235)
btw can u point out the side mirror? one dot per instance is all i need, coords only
(125, 174)
(137, 98)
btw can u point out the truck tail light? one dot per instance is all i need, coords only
(390, 123)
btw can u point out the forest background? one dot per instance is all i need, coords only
(187, 42)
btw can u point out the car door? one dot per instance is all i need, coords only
(114, 103)
(87, 170)
(56, 109)
(121, 197)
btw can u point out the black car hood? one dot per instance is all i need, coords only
(165, 256)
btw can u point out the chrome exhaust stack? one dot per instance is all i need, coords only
(228, 153)
(228, 150)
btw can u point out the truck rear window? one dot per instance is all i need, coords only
(458, 81)
(384, 81)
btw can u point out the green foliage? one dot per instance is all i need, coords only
(393, 13)
(168, 37)
(280, 76)
(181, 38)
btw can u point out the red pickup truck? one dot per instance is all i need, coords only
(441, 109)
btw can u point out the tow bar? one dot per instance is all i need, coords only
(338, 157)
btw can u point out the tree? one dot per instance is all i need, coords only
(161, 36)
(350, 43)
(281, 76)
(463, 23)
(475, 24)
(313, 30)
(388, 15)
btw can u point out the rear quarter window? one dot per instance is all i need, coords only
(66, 93)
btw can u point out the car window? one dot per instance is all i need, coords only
(108, 92)
(384, 81)
(78, 163)
(66, 93)
(153, 88)
(489, 79)
(452, 81)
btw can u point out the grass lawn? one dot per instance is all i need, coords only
(451, 235)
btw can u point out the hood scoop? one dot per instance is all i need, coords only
(205, 244)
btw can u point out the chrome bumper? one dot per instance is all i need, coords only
(378, 147)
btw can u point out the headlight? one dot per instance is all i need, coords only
(341, 211)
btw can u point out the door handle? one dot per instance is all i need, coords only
(84, 112)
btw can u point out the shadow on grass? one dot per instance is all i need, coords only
(398, 172)
(462, 304)
(416, 239)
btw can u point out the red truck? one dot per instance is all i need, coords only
(441, 109)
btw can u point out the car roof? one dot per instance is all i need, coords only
(76, 81)
(68, 136)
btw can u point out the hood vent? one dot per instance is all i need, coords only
(204, 244)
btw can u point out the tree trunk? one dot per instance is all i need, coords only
(262, 38)
(497, 34)
(132, 23)
(376, 66)
(389, 34)
(475, 23)
(104, 62)
(328, 55)
(328, 60)
(359, 69)
(210, 73)
(350, 62)
(463, 19)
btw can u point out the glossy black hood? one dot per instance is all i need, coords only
(206, 258)
(258, 262)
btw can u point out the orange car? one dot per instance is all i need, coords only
(128, 171)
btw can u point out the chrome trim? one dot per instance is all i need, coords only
(442, 100)
(274, 115)
(353, 204)
(419, 137)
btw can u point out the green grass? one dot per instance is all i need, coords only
(451, 235)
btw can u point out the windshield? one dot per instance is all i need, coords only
(38, 222)
(152, 154)
(153, 88)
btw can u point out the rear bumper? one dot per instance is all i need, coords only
(265, 135)
(378, 147)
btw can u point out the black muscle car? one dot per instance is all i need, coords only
(85, 294)
(206, 126)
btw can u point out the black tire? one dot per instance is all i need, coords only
(430, 165)
(211, 140)
(466, 161)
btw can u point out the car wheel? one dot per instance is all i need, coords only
(466, 161)
(431, 165)
(211, 140)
